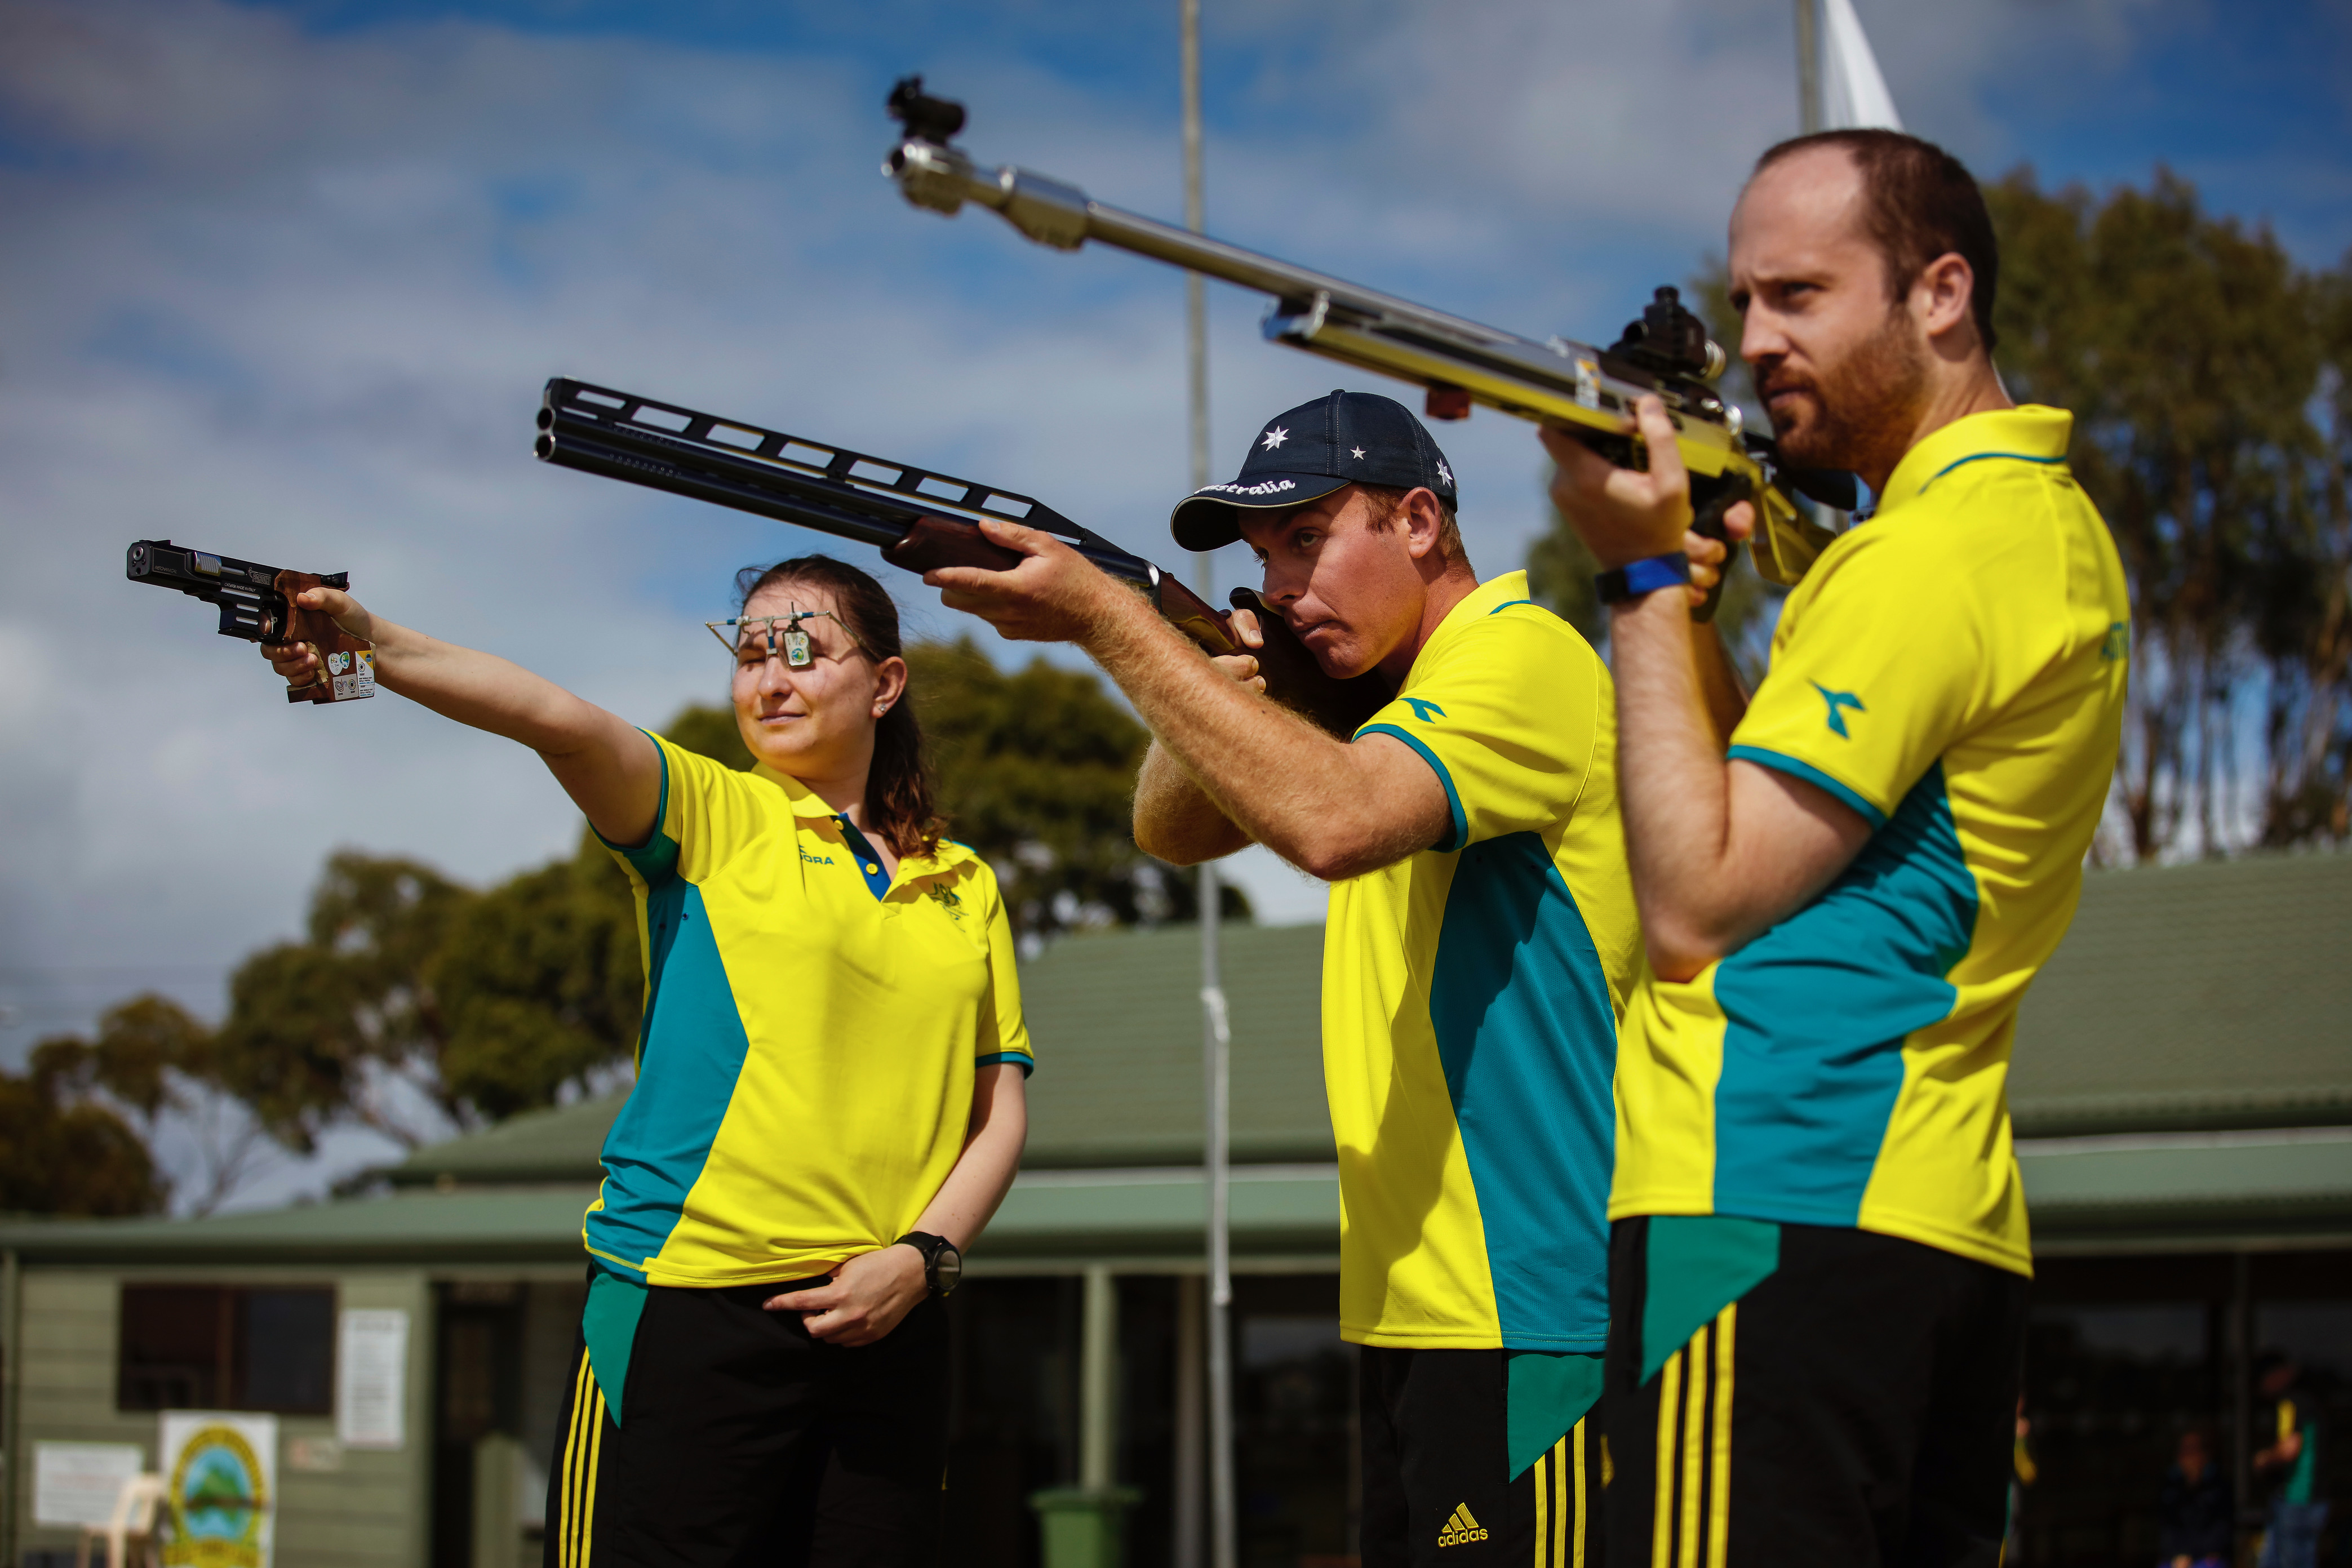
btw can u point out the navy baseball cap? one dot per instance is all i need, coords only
(1305, 454)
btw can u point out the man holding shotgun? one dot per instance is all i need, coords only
(1819, 1264)
(1480, 944)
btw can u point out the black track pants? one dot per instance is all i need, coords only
(1857, 1408)
(1437, 1490)
(746, 1442)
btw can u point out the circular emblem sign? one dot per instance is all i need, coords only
(217, 1502)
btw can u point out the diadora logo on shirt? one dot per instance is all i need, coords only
(1422, 707)
(1839, 701)
(1461, 1529)
(816, 860)
(2118, 644)
(946, 899)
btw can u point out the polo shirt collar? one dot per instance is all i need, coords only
(806, 804)
(2032, 431)
(1497, 593)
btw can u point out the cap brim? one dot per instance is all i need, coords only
(1209, 518)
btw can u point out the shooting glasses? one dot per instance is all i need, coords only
(798, 649)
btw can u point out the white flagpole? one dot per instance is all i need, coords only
(1216, 1034)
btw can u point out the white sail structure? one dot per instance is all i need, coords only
(1854, 93)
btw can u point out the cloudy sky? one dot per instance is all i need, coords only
(284, 281)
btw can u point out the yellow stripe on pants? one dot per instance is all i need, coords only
(1577, 1464)
(569, 1508)
(1543, 1507)
(1718, 1513)
(1662, 1512)
(1694, 1447)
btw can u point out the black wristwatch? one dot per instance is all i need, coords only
(943, 1264)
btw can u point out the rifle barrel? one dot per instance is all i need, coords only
(1555, 381)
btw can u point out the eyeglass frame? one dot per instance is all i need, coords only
(799, 651)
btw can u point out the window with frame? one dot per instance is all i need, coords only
(226, 1347)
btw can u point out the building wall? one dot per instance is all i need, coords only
(368, 1514)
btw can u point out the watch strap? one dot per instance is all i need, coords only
(1635, 579)
(930, 1246)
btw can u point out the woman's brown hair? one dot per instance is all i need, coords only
(900, 805)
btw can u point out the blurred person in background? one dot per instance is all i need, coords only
(2289, 1464)
(2195, 1518)
(830, 1094)
(2023, 1473)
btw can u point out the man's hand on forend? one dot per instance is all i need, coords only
(1056, 595)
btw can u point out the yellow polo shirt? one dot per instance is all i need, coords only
(804, 1074)
(1471, 994)
(1953, 670)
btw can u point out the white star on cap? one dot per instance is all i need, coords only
(1444, 472)
(1275, 438)
(1358, 452)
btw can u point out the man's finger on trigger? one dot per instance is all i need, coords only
(1739, 521)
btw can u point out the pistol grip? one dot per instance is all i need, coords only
(347, 663)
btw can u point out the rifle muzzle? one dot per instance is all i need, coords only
(943, 179)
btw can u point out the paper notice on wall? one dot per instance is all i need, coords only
(220, 1474)
(77, 1483)
(371, 1379)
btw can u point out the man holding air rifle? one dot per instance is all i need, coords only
(1480, 946)
(1819, 1260)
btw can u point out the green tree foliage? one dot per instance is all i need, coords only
(1037, 771)
(76, 1129)
(2206, 375)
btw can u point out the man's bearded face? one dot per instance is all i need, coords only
(1842, 370)
(1832, 413)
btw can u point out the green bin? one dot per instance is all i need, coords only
(1084, 1527)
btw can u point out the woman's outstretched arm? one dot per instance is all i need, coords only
(604, 764)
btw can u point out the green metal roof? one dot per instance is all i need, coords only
(1286, 1210)
(2169, 1190)
(2177, 1189)
(2195, 997)
(1116, 1021)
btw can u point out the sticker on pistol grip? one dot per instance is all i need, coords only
(363, 674)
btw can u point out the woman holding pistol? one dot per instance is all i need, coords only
(829, 1102)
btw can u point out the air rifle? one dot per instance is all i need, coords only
(1586, 391)
(257, 603)
(919, 518)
